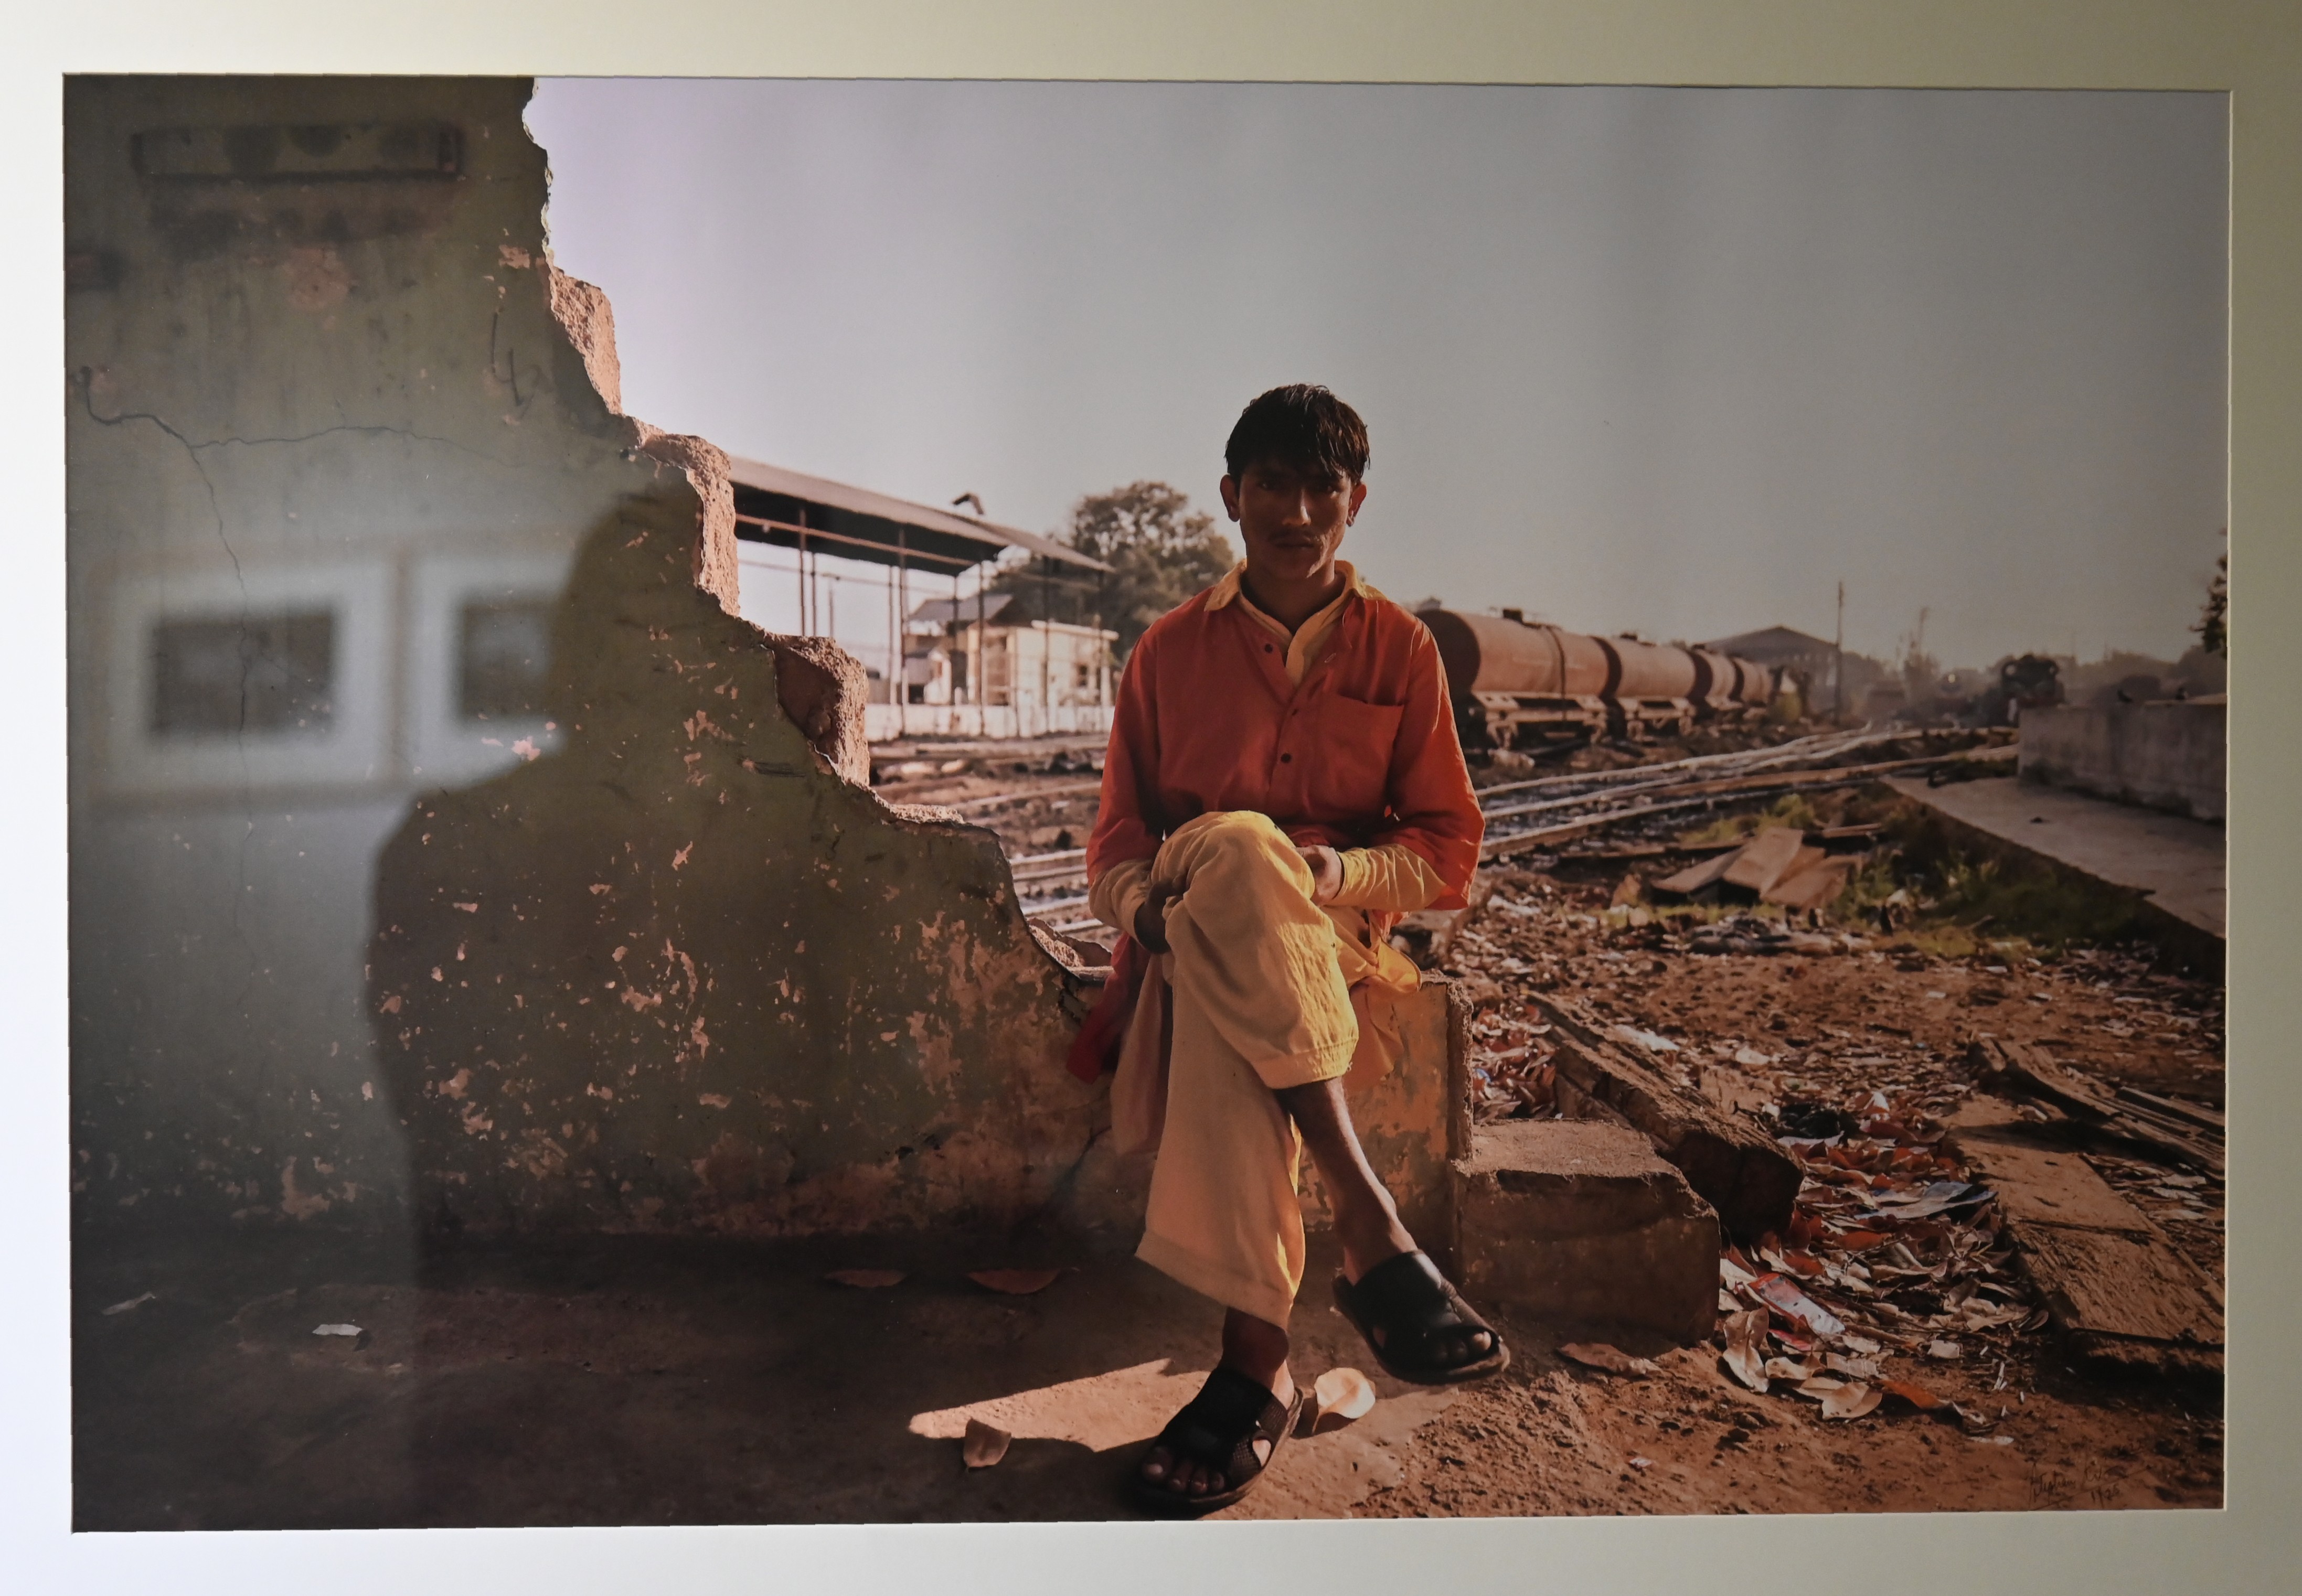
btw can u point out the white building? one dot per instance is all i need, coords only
(994, 652)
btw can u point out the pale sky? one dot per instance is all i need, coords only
(1671, 361)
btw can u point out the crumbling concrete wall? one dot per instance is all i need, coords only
(2171, 755)
(355, 941)
(685, 974)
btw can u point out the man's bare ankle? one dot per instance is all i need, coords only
(1369, 1239)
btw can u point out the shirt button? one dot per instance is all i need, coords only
(1266, 648)
(1286, 759)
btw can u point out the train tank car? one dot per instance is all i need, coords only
(1521, 683)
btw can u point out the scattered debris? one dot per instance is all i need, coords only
(1850, 1400)
(984, 1444)
(1917, 1396)
(131, 1303)
(1339, 1397)
(2192, 1137)
(1599, 1355)
(1742, 1333)
(2112, 1281)
(353, 1333)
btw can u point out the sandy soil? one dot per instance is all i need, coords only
(629, 1382)
(1547, 1438)
(1878, 1014)
(1888, 1014)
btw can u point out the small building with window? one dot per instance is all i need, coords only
(996, 651)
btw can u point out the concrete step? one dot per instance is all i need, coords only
(1582, 1221)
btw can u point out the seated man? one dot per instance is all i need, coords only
(1282, 783)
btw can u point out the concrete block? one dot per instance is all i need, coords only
(2167, 754)
(1403, 1102)
(1582, 1221)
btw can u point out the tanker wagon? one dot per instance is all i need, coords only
(1520, 683)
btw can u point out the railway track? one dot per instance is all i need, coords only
(1556, 809)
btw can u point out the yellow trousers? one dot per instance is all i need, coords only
(1255, 995)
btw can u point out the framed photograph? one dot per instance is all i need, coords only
(642, 933)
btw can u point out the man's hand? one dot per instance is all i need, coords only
(1151, 919)
(1326, 872)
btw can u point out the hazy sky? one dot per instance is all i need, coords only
(1666, 360)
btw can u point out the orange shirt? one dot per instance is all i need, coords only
(1359, 753)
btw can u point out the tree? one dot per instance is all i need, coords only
(1159, 549)
(2213, 624)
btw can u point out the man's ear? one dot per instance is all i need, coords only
(1359, 498)
(1229, 489)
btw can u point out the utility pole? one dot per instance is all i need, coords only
(1838, 659)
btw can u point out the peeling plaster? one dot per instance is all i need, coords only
(673, 967)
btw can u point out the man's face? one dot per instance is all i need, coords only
(1291, 519)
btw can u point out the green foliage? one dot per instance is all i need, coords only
(1161, 551)
(2213, 624)
(1793, 810)
(1876, 879)
(2015, 895)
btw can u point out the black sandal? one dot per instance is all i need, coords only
(1218, 1429)
(1412, 1305)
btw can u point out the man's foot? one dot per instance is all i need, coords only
(1191, 1478)
(1371, 1238)
(1212, 1451)
(1417, 1325)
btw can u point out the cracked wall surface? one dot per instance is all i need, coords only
(443, 850)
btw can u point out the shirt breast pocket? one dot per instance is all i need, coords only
(1350, 771)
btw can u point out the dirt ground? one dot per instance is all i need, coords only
(645, 1382)
(640, 1382)
(1878, 1013)
(1883, 1014)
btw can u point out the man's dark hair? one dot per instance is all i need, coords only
(1302, 425)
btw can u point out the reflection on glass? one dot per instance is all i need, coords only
(504, 659)
(272, 673)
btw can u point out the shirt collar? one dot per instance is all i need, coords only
(1223, 591)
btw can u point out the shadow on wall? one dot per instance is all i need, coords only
(344, 450)
(685, 973)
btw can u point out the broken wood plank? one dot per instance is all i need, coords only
(2120, 1293)
(2204, 1118)
(2207, 1143)
(2027, 1072)
(2126, 1300)
(2038, 1183)
(2015, 1070)
(1694, 877)
(1772, 853)
(1810, 883)
(1736, 1168)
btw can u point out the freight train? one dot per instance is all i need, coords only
(1520, 683)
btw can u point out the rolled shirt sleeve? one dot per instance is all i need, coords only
(1115, 897)
(1389, 877)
